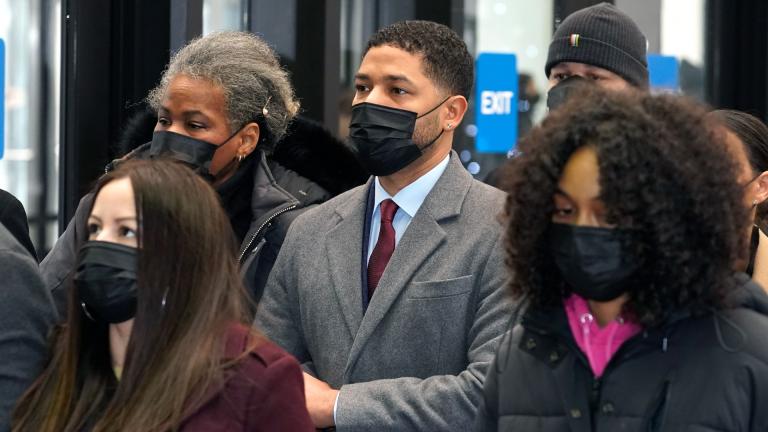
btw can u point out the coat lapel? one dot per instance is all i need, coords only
(419, 242)
(345, 247)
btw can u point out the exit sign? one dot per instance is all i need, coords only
(496, 103)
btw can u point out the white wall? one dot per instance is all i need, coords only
(682, 29)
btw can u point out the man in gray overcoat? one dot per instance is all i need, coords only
(391, 295)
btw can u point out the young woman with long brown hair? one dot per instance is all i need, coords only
(157, 336)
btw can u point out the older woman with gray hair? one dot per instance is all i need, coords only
(224, 107)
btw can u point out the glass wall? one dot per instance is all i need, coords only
(516, 27)
(673, 28)
(29, 168)
(682, 36)
(220, 15)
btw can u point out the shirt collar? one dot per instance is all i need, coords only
(411, 197)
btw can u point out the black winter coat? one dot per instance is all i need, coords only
(699, 374)
(262, 199)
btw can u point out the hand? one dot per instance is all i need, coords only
(320, 401)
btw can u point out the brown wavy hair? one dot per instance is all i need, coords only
(176, 350)
(664, 175)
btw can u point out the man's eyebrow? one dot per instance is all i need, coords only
(398, 78)
(390, 78)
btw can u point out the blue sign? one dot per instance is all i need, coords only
(496, 103)
(2, 98)
(663, 72)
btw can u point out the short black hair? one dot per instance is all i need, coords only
(664, 174)
(447, 61)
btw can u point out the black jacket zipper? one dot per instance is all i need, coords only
(258, 231)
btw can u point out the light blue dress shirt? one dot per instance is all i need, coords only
(408, 201)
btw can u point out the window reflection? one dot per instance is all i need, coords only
(221, 15)
(29, 169)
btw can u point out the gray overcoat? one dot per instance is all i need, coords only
(417, 357)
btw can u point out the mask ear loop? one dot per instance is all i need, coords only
(236, 159)
(422, 149)
(436, 107)
(85, 311)
(165, 296)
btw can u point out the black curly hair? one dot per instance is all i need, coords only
(447, 61)
(663, 175)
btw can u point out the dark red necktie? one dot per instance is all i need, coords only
(385, 245)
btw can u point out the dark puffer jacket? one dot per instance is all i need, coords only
(698, 374)
(262, 199)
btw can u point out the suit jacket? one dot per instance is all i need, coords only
(263, 392)
(416, 359)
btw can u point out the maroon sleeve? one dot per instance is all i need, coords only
(280, 404)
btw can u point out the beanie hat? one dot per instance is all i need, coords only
(601, 36)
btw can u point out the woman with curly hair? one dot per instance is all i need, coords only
(157, 337)
(746, 137)
(625, 221)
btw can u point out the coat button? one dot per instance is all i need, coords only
(575, 413)
(530, 344)
(554, 357)
(608, 408)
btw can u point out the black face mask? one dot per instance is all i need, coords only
(197, 154)
(592, 261)
(560, 93)
(383, 137)
(532, 99)
(106, 281)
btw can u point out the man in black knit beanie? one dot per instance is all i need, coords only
(600, 44)
(596, 45)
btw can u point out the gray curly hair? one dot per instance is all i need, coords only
(248, 71)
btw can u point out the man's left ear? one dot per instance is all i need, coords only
(249, 139)
(456, 107)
